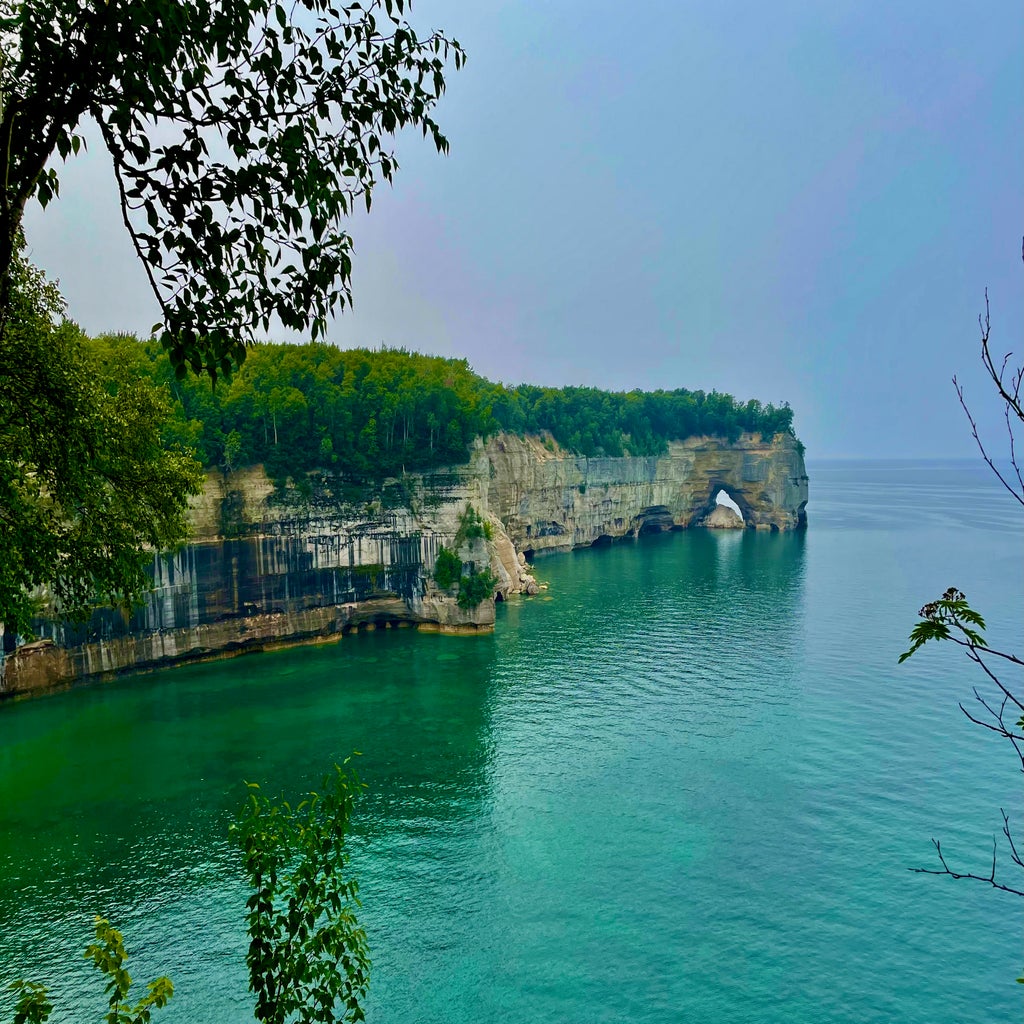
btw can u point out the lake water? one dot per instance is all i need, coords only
(685, 784)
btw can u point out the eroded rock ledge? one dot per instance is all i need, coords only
(267, 570)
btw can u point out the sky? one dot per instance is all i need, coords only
(792, 201)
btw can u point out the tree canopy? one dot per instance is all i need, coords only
(88, 484)
(369, 414)
(242, 134)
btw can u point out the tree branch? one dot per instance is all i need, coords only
(989, 879)
(115, 155)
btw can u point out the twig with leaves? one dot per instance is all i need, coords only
(952, 618)
(109, 956)
(308, 958)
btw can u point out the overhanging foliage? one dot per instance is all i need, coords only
(242, 134)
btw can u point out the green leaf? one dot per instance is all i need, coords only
(301, 923)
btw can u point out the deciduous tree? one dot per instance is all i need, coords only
(88, 488)
(242, 134)
(308, 958)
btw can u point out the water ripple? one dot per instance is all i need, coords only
(687, 788)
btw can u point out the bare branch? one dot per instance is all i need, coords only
(1009, 838)
(976, 658)
(981, 446)
(989, 879)
(952, 618)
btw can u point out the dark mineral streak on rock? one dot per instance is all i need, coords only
(268, 569)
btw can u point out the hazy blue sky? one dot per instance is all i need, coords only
(788, 201)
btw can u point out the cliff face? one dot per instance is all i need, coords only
(551, 500)
(267, 570)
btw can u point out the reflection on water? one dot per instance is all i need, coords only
(116, 799)
(684, 784)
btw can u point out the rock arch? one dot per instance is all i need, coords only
(528, 489)
(723, 515)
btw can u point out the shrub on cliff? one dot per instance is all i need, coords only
(476, 587)
(447, 568)
(472, 526)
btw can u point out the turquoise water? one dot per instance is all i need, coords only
(685, 784)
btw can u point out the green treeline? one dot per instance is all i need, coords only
(370, 414)
(593, 422)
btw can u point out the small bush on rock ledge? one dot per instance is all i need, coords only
(447, 568)
(476, 587)
(471, 526)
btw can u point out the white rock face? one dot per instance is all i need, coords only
(723, 518)
(505, 560)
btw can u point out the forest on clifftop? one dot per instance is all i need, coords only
(370, 414)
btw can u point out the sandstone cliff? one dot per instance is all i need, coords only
(267, 569)
(548, 499)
